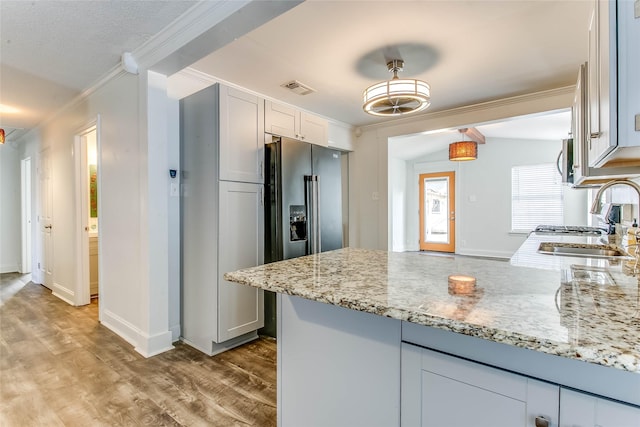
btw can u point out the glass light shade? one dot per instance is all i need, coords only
(396, 97)
(463, 151)
(461, 285)
(1, 136)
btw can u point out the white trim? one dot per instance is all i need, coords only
(200, 18)
(63, 293)
(151, 345)
(485, 253)
(144, 344)
(10, 268)
(83, 293)
(115, 72)
(121, 327)
(175, 333)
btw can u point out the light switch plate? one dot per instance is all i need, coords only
(637, 122)
(173, 189)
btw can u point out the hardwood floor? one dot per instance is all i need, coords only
(60, 367)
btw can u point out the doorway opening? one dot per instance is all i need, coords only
(87, 202)
(25, 206)
(437, 211)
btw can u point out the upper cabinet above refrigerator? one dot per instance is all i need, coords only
(612, 137)
(282, 120)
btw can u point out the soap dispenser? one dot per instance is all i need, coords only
(632, 234)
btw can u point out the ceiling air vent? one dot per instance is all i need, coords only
(297, 87)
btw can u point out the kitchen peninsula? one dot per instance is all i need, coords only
(360, 329)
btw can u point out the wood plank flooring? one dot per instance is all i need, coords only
(60, 367)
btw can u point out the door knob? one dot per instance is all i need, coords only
(47, 226)
(86, 229)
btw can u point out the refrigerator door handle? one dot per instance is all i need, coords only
(313, 213)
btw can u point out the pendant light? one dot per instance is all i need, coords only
(396, 97)
(1, 136)
(462, 151)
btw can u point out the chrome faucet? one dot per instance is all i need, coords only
(595, 207)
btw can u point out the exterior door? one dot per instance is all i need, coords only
(45, 219)
(437, 212)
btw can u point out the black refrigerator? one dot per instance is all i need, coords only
(303, 206)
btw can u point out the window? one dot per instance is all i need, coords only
(536, 196)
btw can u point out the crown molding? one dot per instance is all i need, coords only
(194, 22)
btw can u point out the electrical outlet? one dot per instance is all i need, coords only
(375, 196)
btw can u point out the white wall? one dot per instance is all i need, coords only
(369, 210)
(483, 194)
(123, 195)
(10, 234)
(398, 199)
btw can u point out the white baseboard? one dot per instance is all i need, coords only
(155, 344)
(121, 327)
(485, 253)
(10, 268)
(63, 293)
(143, 343)
(175, 333)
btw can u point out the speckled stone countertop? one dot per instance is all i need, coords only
(581, 309)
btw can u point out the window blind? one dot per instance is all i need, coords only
(536, 196)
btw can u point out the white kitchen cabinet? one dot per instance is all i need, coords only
(613, 88)
(241, 120)
(583, 174)
(221, 227)
(441, 390)
(241, 245)
(584, 410)
(287, 121)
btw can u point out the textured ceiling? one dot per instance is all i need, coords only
(470, 51)
(51, 50)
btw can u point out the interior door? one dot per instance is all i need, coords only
(45, 219)
(437, 212)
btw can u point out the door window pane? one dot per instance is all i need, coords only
(436, 208)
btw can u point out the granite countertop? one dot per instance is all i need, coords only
(578, 308)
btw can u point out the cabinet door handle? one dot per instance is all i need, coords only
(542, 421)
(595, 135)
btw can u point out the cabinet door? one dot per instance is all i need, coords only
(440, 390)
(314, 129)
(241, 243)
(281, 120)
(602, 82)
(628, 72)
(584, 410)
(241, 136)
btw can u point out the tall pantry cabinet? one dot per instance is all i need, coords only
(222, 217)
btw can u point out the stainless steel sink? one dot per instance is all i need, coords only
(581, 250)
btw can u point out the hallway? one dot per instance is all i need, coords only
(60, 367)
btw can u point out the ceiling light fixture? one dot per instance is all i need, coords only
(397, 96)
(1, 136)
(462, 151)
